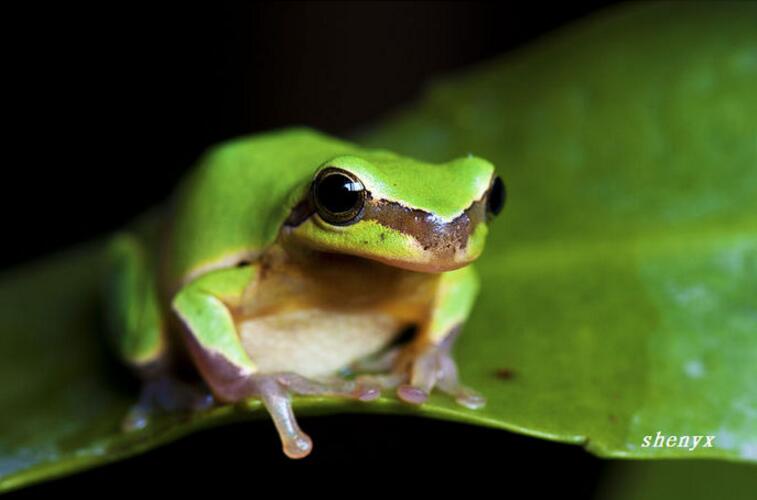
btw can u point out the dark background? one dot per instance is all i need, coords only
(107, 107)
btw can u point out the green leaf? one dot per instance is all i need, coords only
(619, 286)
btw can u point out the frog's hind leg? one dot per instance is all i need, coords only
(133, 313)
(138, 334)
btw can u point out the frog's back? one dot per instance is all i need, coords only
(238, 196)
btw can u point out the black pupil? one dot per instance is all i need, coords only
(338, 193)
(496, 196)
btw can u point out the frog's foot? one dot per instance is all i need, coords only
(434, 368)
(423, 369)
(276, 389)
(165, 394)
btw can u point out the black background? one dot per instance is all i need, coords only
(105, 108)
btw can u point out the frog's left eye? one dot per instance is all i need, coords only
(338, 196)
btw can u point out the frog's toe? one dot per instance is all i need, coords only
(470, 398)
(137, 418)
(398, 382)
(295, 443)
(422, 378)
(358, 389)
(464, 396)
(412, 394)
(449, 383)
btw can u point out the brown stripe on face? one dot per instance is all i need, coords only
(300, 213)
(443, 239)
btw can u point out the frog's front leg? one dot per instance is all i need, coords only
(206, 307)
(428, 359)
(427, 363)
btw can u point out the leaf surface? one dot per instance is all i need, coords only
(619, 290)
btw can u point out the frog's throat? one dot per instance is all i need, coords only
(434, 235)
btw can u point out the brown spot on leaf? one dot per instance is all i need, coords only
(504, 374)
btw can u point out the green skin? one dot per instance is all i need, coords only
(231, 210)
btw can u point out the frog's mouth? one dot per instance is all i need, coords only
(429, 266)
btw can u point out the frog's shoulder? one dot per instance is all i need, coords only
(233, 202)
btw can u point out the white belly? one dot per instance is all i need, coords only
(313, 342)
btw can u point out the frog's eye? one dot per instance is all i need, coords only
(496, 198)
(338, 196)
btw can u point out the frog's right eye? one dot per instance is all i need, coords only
(495, 200)
(338, 196)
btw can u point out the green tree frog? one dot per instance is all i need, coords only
(287, 257)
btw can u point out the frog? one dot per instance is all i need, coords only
(295, 264)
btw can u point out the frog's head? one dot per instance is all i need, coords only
(404, 213)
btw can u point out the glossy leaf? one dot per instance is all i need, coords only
(619, 286)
